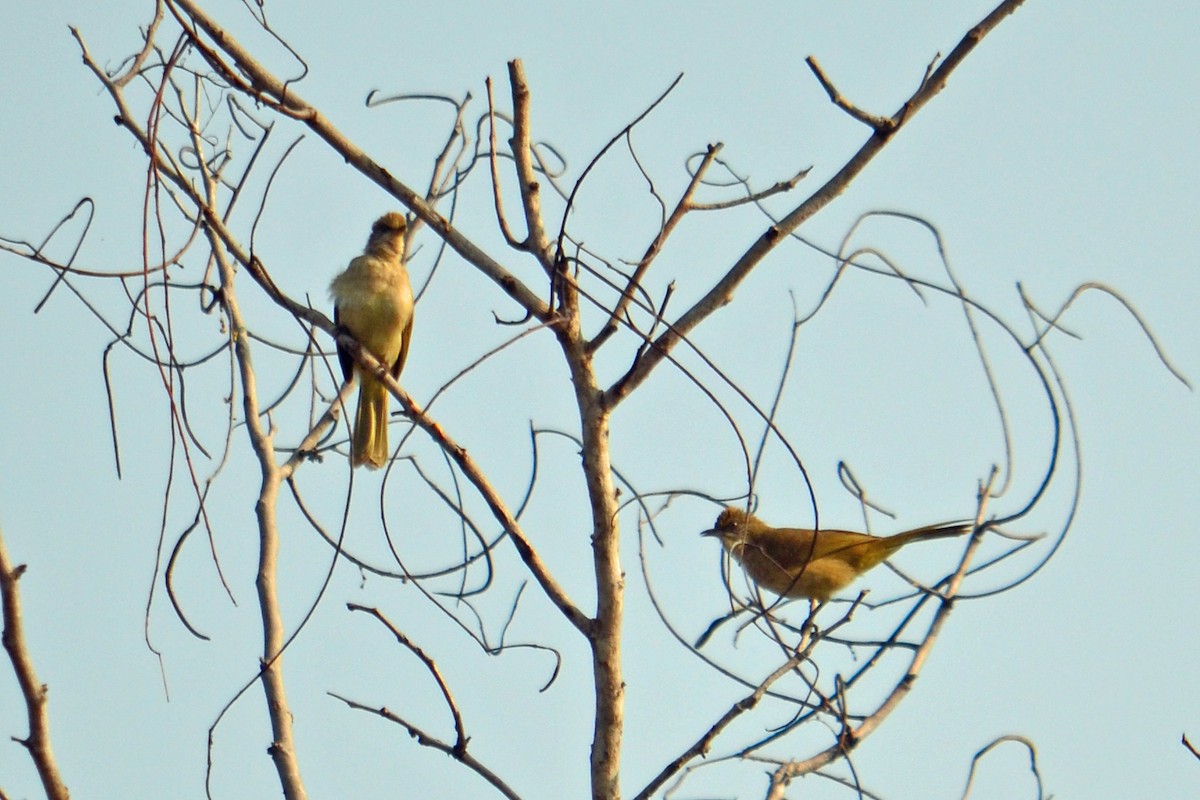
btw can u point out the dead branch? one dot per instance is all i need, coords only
(33, 691)
(722, 293)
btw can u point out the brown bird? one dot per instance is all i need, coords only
(373, 300)
(799, 562)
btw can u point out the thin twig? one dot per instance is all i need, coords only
(722, 293)
(1021, 740)
(682, 207)
(1191, 747)
(427, 740)
(882, 125)
(460, 742)
(497, 200)
(475, 474)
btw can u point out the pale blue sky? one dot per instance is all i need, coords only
(1062, 151)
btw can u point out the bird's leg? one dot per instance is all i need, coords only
(809, 628)
(809, 633)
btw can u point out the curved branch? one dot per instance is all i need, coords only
(460, 731)
(292, 104)
(478, 479)
(682, 207)
(437, 744)
(722, 293)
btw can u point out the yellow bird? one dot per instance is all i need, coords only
(373, 301)
(799, 562)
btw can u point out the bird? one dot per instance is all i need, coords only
(800, 562)
(373, 302)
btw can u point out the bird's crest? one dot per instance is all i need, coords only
(391, 221)
(731, 520)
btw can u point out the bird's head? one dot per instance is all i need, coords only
(387, 234)
(391, 222)
(731, 526)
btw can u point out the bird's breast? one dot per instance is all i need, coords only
(788, 576)
(375, 303)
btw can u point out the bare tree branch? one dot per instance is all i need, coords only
(682, 207)
(429, 740)
(1191, 747)
(479, 480)
(722, 293)
(272, 88)
(283, 747)
(1021, 740)
(460, 733)
(536, 240)
(32, 690)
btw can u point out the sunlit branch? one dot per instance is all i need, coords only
(536, 240)
(479, 480)
(282, 749)
(290, 101)
(722, 293)
(682, 207)
(33, 691)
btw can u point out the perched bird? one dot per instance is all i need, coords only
(798, 562)
(373, 301)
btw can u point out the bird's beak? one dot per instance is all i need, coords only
(710, 532)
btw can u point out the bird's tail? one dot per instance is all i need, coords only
(940, 531)
(369, 444)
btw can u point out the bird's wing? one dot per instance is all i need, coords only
(400, 359)
(861, 551)
(344, 357)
